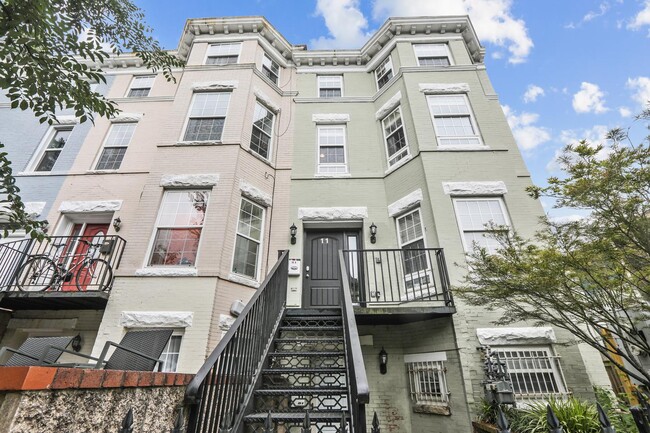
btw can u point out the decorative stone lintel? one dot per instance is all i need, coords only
(243, 280)
(156, 319)
(405, 203)
(90, 206)
(166, 272)
(332, 213)
(215, 86)
(225, 322)
(34, 208)
(330, 118)
(438, 88)
(510, 336)
(255, 194)
(189, 180)
(266, 100)
(474, 188)
(67, 120)
(388, 106)
(127, 118)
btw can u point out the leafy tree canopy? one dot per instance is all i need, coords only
(590, 276)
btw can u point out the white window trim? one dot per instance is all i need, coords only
(440, 359)
(556, 368)
(149, 270)
(449, 56)
(472, 118)
(414, 292)
(345, 151)
(279, 69)
(205, 58)
(319, 85)
(389, 60)
(407, 154)
(103, 146)
(40, 149)
(455, 201)
(181, 139)
(272, 134)
(261, 243)
(134, 79)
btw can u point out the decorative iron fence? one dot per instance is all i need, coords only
(358, 388)
(220, 391)
(67, 263)
(397, 276)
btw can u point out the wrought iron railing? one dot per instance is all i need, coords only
(67, 263)
(219, 393)
(358, 389)
(397, 276)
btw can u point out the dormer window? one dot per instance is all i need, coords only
(223, 54)
(432, 54)
(384, 72)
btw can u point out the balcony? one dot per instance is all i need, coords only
(398, 285)
(59, 273)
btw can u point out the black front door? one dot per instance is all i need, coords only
(322, 273)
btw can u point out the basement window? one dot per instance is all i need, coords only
(427, 374)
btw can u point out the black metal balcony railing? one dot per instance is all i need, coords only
(60, 263)
(394, 276)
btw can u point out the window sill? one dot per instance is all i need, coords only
(398, 164)
(41, 173)
(199, 143)
(461, 148)
(240, 279)
(432, 408)
(102, 171)
(332, 175)
(171, 271)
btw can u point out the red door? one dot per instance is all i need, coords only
(93, 233)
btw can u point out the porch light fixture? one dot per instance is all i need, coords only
(293, 230)
(373, 233)
(383, 360)
(117, 224)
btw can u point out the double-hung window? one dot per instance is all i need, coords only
(223, 54)
(453, 120)
(384, 72)
(207, 116)
(262, 130)
(140, 86)
(170, 355)
(473, 215)
(330, 86)
(427, 378)
(396, 145)
(331, 149)
(270, 69)
(248, 244)
(56, 140)
(178, 229)
(432, 54)
(410, 234)
(534, 371)
(115, 146)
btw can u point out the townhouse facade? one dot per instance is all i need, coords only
(379, 165)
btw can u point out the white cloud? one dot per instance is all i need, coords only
(527, 135)
(492, 19)
(345, 22)
(532, 93)
(641, 88)
(590, 99)
(624, 112)
(591, 15)
(641, 19)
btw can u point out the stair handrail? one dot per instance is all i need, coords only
(221, 389)
(359, 391)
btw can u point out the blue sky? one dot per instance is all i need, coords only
(564, 70)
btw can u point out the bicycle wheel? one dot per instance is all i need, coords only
(96, 274)
(37, 274)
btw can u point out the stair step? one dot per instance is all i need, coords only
(302, 391)
(308, 354)
(309, 340)
(293, 312)
(295, 416)
(317, 328)
(311, 317)
(305, 370)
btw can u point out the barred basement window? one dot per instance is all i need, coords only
(207, 116)
(535, 372)
(384, 72)
(140, 86)
(427, 378)
(223, 54)
(432, 54)
(262, 130)
(115, 146)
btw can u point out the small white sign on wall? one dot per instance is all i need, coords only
(294, 267)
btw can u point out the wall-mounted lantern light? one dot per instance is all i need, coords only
(383, 360)
(117, 224)
(293, 230)
(373, 233)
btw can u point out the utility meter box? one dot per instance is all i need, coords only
(294, 267)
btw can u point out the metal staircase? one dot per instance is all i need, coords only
(305, 372)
